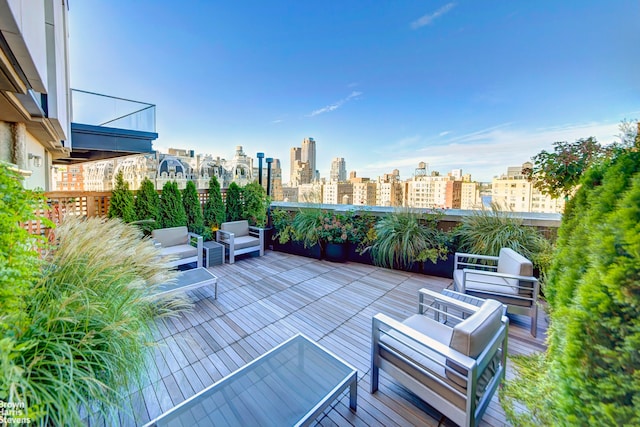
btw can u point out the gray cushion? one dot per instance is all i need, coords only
(179, 251)
(170, 236)
(485, 283)
(238, 228)
(511, 262)
(245, 242)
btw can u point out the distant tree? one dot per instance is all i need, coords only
(214, 213)
(121, 204)
(557, 173)
(234, 205)
(255, 204)
(191, 202)
(172, 212)
(147, 206)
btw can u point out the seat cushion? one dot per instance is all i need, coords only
(485, 283)
(179, 251)
(243, 242)
(170, 236)
(238, 228)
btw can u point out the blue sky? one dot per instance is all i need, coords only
(477, 85)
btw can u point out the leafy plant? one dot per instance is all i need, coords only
(192, 209)
(335, 227)
(121, 204)
(486, 231)
(306, 225)
(214, 213)
(234, 204)
(282, 221)
(147, 207)
(364, 231)
(407, 236)
(255, 204)
(19, 260)
(91, 321)
(172, 213)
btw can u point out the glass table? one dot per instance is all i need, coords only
(288, 386)
(189, 279)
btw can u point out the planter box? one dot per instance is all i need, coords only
(297, 248)
(354, 256)
(335, 252)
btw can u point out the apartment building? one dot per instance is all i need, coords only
(513, 191)
(337, 193)
(364, 191)
(34, 87)
(389, 190)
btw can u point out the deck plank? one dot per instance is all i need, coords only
(262, 301)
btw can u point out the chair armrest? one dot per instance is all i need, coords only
(531, 279)
(441, 303)
(221, 235)
(421, 339)
(257, 232)
(199, 239)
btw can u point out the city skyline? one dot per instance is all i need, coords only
(384, 86)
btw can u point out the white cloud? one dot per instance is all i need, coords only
(335, 105)
(488, 152)
(444, 133)
(277, 121)
(430, 17)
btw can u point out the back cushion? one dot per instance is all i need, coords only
(511, 262)
(170, 236)
(471, 336)
(238, 228)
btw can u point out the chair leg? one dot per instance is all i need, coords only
(534, 320)
(375, 374)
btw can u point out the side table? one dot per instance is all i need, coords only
(213, 253)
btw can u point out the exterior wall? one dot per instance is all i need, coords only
(514, 192)
(364, 193)
(337, 193)
(39, 178)
(470, 196)
(427, 192)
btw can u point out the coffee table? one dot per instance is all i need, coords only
(190, 279)
(288, 386)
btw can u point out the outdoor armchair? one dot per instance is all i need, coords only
(239, 238)
(179, 245)
(451, 354)
(507, 278)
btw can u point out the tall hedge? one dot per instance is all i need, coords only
(255, 204)
(234, 206)
(121, 204)
(172, 212)
(191, 202)
(214, 213)
(147, 206)
(591, 371)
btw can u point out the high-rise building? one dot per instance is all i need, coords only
(308, 154)
(338, 170)
(337, 193)
(295, 156)
(364, 190)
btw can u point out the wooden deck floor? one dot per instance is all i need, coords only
(262, 301)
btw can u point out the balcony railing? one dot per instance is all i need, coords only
(95, 109)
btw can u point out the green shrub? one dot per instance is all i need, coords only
(121, 204)
(147, 207)
(234, 204)
(282, 221)
(214, 213)
(407, 236)
(255, 204)
(486, 231)
(172, 212)
(591, 368)
(192, 208)
(306, 225)
(19, 260)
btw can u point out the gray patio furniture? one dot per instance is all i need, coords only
(451, 354)
(507, 278)
(240, 238)
(179, 245)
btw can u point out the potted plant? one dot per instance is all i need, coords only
(306, 227)
(334, 233)
(363, 235)
(407, 236)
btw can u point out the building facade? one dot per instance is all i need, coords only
(35, 105)
(338, 171)
(514, 192)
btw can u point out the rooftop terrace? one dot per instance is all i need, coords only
(262, 301)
